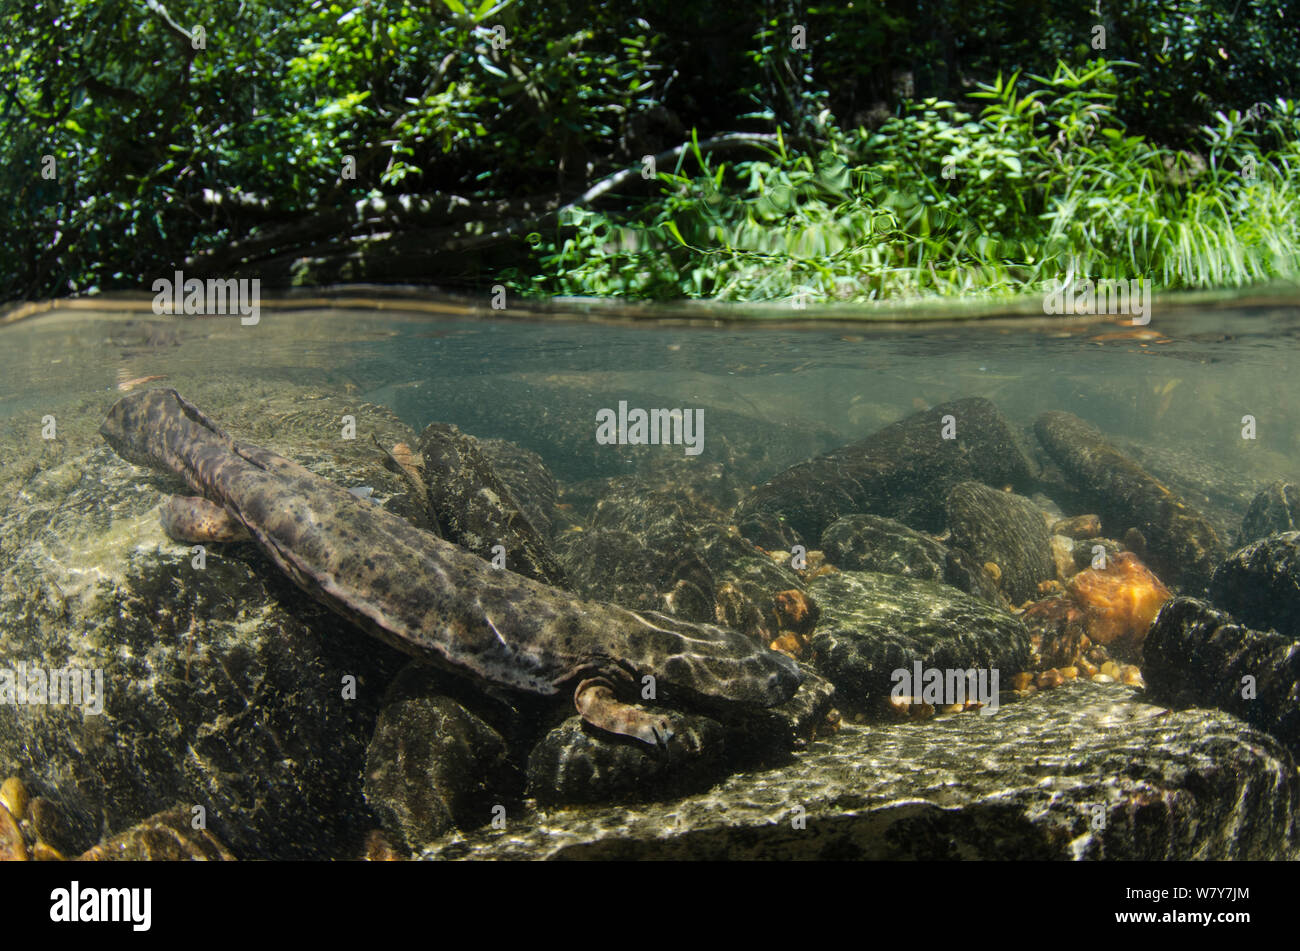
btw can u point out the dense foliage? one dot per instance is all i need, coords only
(850, 151)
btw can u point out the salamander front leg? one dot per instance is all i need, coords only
(192, 518)
(598, 706)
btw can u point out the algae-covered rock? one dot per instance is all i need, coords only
(575, 764)
(873, 543)
(1260, 584)
(1197, 656)
(1085, 771)
(530, 483)
(1182, 547)
(1006, 530)
(903, 471)
(770, 531)
(873, 624)
(432, 765)
(474, 508)
(650, 548)
(166, 837)
(1274, 510)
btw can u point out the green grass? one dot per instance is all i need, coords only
(941, 202)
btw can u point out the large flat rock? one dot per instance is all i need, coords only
(1085, 771)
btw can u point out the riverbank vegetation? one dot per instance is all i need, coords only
(741, 151)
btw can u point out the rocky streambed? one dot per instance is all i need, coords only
(1113, 626)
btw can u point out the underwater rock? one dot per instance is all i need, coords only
(1078, 527)
(1085, 552)
(1275, 509)
(1216, 485)
(474, 508)
(166, 837)
(12, 846)
(753, 577)
(14, 797)
(220, 684)
(432, 765)
(638, 573)
(1119, 602)
(529, 482)
(903, 471)
(1197, 656)
(1260, 584)
(572, 764)
(1063, 549)
(872, 543)
(1005, 529)
(873, 624)
(770, 532)
(762, 735)
(650, 548)
(1084, 771)
(1182, 546)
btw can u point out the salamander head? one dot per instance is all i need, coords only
(705, 663)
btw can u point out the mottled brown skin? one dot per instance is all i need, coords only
(434, 600)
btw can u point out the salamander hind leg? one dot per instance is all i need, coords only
(598, 706)
(194, 519)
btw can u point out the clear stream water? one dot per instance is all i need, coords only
(1184, 382)
(1205, 397)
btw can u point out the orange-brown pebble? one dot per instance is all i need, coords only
(1131, 675)
(379, 849)
(817, 565)
(795, 612)
(1110, 669)
(1048, 679)
(41, 852)
(13, 796)
(913, 708)
(831, 724)
(1086, 667)
(787, 644)
(1063, 556)
(1119, 601)
(993, 570)
(1069, 673)
(12, 848)
(1021, 680)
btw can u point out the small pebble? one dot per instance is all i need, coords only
(1131, 675)
(1021, 680)
(1102, 679)
(12, 848)
(1049, 678)
(1110, 669)
(41, 852)
(1069, 673)
(13, 796)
